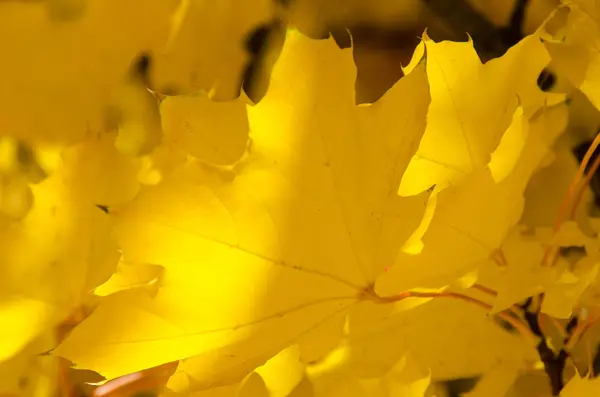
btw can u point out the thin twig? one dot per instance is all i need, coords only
(485, 289)
(568, 199)
(491, 292)
(588, 177)
(498, 257)
(579, 330)
(590, 357)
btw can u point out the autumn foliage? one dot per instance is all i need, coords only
(190, 205)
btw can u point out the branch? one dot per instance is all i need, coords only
(554, 364)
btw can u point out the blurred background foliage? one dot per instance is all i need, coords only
(383, 34)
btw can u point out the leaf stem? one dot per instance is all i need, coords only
(590, 357)
(498, 257)
(513, 321)
(485, 289)
(151, 380)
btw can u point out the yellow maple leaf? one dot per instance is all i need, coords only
(581, 387)
(278, 377)
(214, 132)
(58, 86)
(565, 288)
(103, 175)
(451, 338)
(164, 160)
(22, 164)
(256, 260)
(129, 276)
(471, 220)
(283, 372)
(464, 126)
(137, 117)
(251, 386)
(575, 48)
(29, 373)
(333, 378)
(205, 49)
(495, 382)
(61, 250)
(565, 294)
(522, 275)
(530, 383)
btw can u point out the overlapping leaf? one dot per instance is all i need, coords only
(464, 125)
(57, 86)
(83, 66)
(223, 267)
(255, 260)
(471, 220)
(206, 46)
(333, 377)
(454, 339)
(29, 373)
(581, 387)
(61, 250)
(576, 49)
(214, 132)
